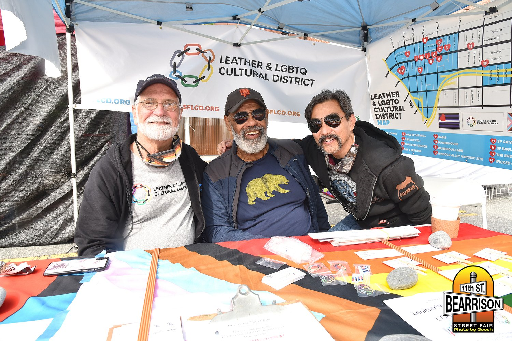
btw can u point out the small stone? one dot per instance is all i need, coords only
(402, 278)
(440, 240)
(3, 293)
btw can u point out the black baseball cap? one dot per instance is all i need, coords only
(154, 79)
(237, 97)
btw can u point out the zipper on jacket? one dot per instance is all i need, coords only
(368, 210)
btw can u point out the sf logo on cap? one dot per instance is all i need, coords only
(244, 92)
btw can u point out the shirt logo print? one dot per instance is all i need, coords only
(264, 187)
(140, 194)
(406, 187)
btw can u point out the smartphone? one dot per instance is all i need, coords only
(76, 266)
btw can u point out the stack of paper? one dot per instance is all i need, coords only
(282, 278)
(351, 237)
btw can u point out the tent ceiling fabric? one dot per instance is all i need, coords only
(339, 21)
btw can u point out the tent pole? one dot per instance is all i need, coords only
(186, 125)
(71, 127)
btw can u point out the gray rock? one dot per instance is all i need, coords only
(402, 278)
(440, 240)
(3, 293)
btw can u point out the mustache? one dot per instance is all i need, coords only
(328, 136)
(154, 119)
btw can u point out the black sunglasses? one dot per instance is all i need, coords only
(242, 116)
(332, 120)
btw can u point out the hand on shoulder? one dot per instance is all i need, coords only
(224, 146)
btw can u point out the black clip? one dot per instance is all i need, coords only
(492, 10)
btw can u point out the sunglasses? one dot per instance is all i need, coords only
(242, 116)
(332, 120)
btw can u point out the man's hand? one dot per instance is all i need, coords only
(223, 146)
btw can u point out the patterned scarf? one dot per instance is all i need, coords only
(343, 187)
(161, 159)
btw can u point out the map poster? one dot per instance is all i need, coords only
(443, 88)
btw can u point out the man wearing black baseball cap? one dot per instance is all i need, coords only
(261, 187)
(144, 193)
(362, 166)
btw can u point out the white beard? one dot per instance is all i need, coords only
(158, 132)
(250, 146)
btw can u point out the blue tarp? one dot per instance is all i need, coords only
(339, 21)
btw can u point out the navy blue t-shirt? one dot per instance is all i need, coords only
(272, 202)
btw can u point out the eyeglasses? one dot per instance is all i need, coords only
(332, 120)
(152, 104)
(242, 116)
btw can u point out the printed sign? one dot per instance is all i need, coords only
(113, 56)
(450, 78)
(472, 303)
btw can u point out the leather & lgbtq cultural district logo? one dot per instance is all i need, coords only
(192, 50)
(472, 302)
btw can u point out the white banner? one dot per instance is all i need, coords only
(29, 28)
(112, 57)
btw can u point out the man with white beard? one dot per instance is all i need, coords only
(261, 187)
(361, 165)
(144, 193)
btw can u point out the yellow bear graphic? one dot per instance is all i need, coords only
(263, 187)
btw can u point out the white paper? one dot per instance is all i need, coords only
(492, 268)
(282, 278)
(420, 248)
(375, 254)
(23, 331)
(352, 237)
(450, 274)
(401, 262)
(490, 254)
(503, 286)
(451, 257)
(295, 322)
(164, 330)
